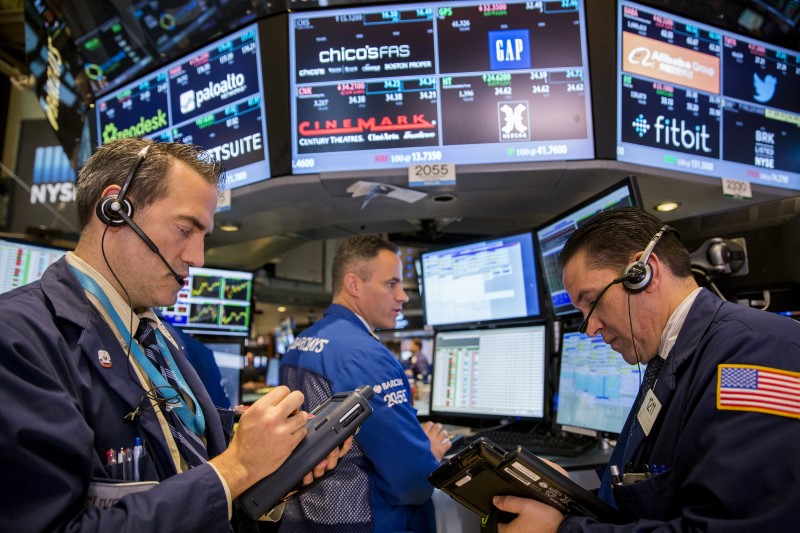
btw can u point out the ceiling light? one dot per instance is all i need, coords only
(281, 309)
(666, 207)
(229, 226)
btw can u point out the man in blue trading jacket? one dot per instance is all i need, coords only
(382, 484)
(719, 429)
(78, 390)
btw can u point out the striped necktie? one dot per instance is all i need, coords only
(190, 445)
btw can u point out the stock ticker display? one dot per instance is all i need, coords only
(213, 302)
(387, 87)
(697, 99)
(212, 98)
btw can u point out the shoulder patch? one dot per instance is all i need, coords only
(758, 388)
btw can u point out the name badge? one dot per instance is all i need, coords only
(648, 412)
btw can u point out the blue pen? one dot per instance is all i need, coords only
(138, 451)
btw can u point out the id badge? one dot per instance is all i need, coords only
(648, 412)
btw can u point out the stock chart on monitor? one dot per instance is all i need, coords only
(214, 302)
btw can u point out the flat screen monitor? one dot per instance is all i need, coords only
(481, 282)
(22, 263)
(490, 373)
(551, 236)
(230, 362)
(695, 98)
(596, 387)
(214, 302)
(213, 98)
(384, 87)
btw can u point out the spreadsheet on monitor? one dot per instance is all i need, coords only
(490, 372)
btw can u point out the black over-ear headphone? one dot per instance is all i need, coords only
(116, 210)
(638, 275)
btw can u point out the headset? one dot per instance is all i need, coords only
(116, 210)
(639, 274)
(636, 276)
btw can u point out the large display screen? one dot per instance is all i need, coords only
(22, 263)
(214, 302)
(213, 98)
(698, 99)
(490, 372)
(485, 281)
(596, 387)
(552, 235)
(466, 82)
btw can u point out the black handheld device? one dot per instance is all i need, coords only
(483, 470)
(329, 425)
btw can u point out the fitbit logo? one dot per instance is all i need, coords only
(365, 53)
(514, 118)
(232, 85)
(673, 132)
(509, 49)
(640, 125)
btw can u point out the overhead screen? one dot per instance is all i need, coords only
(481, 282)
(213, 98)
(596, 387)
(22, 263)
(490, 372)
(698, 99)
(466, 82)
(214, 303)
(551, 236)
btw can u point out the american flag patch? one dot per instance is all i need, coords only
(758, 388)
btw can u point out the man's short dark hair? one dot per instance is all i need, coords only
(112, 162)
(611, 238)
(356, 249)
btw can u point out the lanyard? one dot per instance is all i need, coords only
(194, 421)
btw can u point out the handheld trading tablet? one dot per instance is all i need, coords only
(483, 470)
(332, 423)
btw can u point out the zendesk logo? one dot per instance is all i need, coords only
(677, 134)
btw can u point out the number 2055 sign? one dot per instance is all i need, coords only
(428, 174)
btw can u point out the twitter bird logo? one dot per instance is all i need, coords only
(765, 89)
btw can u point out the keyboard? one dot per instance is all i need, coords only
(564, 444)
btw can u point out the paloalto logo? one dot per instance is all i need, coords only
(231, 85)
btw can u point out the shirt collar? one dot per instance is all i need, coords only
(366, 325)
(675, 323)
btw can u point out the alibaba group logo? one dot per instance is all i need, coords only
(641, 56)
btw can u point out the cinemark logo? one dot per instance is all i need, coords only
(359, 125)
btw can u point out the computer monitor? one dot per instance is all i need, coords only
(230, 362)
(272, 377)
(700, 99)
(22, 263)
(391, 87)
(596, 387)
(490, 373)
(481, 282)
(214, 302)
(551, 236)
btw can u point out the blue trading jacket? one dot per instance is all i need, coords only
(382, 484)
(725, 470)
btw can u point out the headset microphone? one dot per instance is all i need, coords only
(623, 278)
(150, 244)
(116, 210)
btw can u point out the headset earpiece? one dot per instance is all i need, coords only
(110, 207)
(639, 274)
